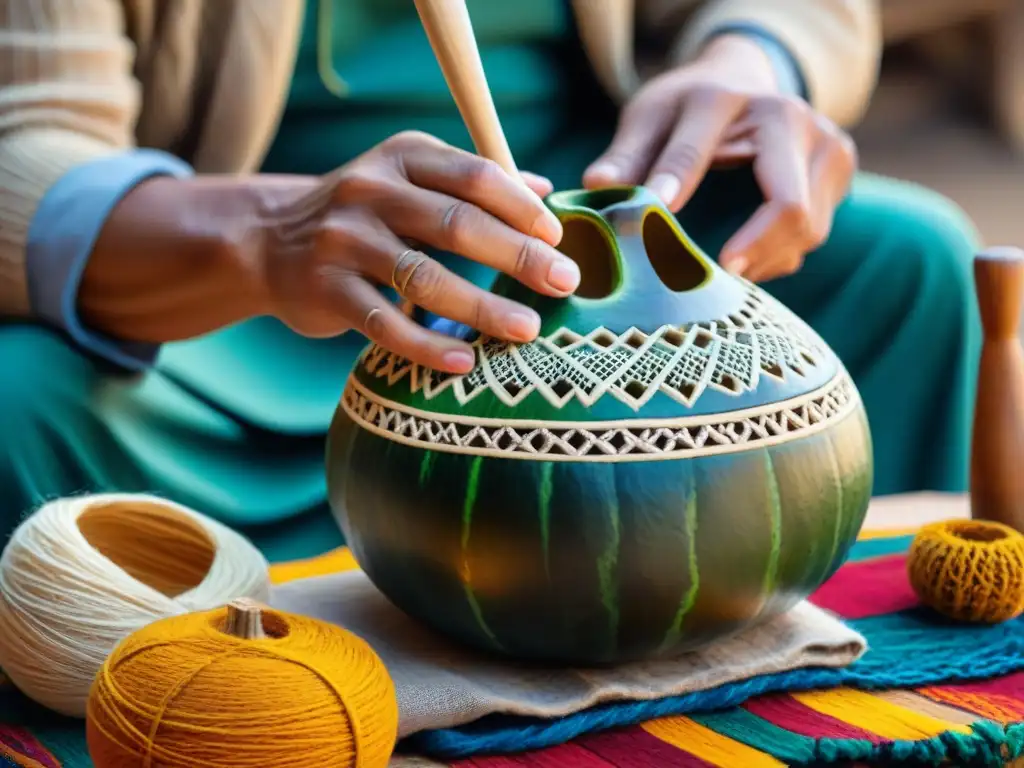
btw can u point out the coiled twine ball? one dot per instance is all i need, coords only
(969, 570)
(242, 687)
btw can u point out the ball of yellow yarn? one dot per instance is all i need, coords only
(969, 570)
(246, 687)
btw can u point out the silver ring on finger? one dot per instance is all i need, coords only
(406, 264)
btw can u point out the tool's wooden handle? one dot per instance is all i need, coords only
(999, 283)
(450, 32)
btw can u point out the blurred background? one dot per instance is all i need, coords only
(949, 112)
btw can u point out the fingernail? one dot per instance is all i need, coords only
(564, 275)
(522, 326)
(548, 228)
(606, 171)
(736, 265)
(541, 181)
(458, 360)
(666, 186)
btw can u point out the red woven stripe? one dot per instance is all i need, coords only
(22, 743)
(1000, 699)
(636, 748)
(563, 756)
(1011, 686)
(869, 588)
(784, 711)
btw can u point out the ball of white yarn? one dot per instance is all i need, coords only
(65, 605)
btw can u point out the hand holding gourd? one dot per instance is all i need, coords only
(724, 107)
(324, 253)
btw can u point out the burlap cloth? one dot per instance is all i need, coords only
(441, 685)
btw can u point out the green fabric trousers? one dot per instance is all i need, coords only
(891, 292)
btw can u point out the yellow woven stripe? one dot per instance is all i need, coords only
(693, 738)
(336, 561)
(887, 533)
(875, 714)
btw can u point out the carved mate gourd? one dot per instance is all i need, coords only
(675, 457)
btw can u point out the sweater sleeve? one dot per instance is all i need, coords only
(67, 97)
(836, 44)
(61, 237)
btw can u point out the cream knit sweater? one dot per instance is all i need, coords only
(206, 80)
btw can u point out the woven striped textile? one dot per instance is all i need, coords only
(961, 702)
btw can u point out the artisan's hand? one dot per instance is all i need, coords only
(325, 253)
(725, 107)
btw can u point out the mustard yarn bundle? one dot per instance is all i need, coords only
(242, 687)
(82, 573)
(969, 570)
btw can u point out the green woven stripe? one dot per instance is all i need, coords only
(756, 732)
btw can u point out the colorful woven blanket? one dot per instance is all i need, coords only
(927, 692)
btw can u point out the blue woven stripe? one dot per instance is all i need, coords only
(907, 649)
(865, 550)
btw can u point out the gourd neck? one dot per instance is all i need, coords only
(638, 267)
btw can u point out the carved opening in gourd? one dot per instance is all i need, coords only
(585, 242)
(599, 199)
(675, 264)
(154, 544)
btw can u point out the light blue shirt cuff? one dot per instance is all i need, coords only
(63, 233)
(787, 70)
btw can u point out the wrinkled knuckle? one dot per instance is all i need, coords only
(479, 313)
(528, 257)
(482, 176)
(456, 225)
(425, 281)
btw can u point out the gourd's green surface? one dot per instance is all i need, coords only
(676, 458)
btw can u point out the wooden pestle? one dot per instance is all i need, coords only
(997, 447)
(450, 32)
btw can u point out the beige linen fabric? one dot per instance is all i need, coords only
(442, 685)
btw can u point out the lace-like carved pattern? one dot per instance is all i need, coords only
(603, 441)
(727, 355)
